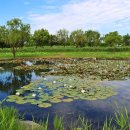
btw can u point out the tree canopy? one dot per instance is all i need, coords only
(113, 39)
(41, 37)
(17, 33)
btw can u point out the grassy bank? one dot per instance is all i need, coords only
(72, 52)
(9, 120)
(121, 55)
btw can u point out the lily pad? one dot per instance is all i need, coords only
(55, 100)
(67, 100)
(44, 105)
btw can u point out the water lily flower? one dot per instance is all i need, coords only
(17, 93)
(70, 79)
(33, 95)
(71, 86)
(39, 88)
(54, 82)
(83, 91)
(45, 79)
(65, 85)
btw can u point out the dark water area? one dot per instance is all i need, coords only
(96, 111)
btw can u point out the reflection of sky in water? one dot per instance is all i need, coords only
(4, 77)
(96, 111)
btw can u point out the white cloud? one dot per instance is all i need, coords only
(102, 15)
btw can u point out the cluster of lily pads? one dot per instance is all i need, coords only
(102, 69)
(49, 90)
(32, 67)
(1, 68)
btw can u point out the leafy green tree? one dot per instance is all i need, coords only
(62, 36)
(41, 37)
(126, 39)
(77, 37)
(53, 40)
(2, 36)
(17, 34)
(113, 39)
(25, 34)
(92, 38)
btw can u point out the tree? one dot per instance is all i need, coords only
(2, 36)
(41, 37)
(126, 39)
(52, 40)
(62, 36)
(113, 39)
(17, 34)
(92, 38)
(77, 37)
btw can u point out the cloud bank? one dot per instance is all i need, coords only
(101, 15)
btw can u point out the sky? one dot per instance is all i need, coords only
(100, 15)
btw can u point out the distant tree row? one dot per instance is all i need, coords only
(16, 34)
(79, 38)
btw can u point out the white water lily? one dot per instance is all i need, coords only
(65, 85)
(54, 82)
(33, 95)
(39, 88)
(70, 79)
(71, 86)
(17, 93)
(83, 91)
(45, 79)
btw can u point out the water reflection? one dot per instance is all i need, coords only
(96, 111)
(11, 79)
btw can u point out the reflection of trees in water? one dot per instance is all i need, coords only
(14, 80)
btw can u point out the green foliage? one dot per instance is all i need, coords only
(3, 32)
(53, 40)
(9, 119)
(126, 39)
(41, 37)
(113, 39)
(58, 123)
(92, 38)
(122, 119)
(62, 36)
(78, 38)
(17, 33)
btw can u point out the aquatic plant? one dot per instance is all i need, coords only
(58, 123)
(1, 68)
(11, 120)
(96, 69)
(45, 92)
(32, 67)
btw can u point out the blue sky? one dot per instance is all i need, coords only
(100, 15)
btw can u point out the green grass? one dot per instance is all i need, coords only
(121, 55)
(72, 52)
(9, 120)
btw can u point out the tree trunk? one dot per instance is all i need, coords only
(13, 51)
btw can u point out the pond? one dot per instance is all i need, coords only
(30, 78)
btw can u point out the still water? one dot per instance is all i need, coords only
(96, 111)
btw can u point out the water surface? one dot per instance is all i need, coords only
(96, 111)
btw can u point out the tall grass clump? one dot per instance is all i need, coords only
(122, 119)
(58, 123)
(9, 119)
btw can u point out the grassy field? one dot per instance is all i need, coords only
(72, 52)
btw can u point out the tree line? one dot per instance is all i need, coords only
(16, 34)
